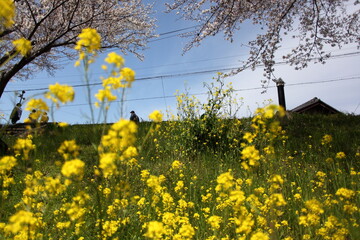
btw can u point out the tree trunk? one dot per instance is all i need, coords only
(7, 75)
(3, 82)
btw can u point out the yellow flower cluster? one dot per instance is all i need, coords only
(120, 136)
(327, 139)
(7, 13)
(265, 130)
(6, 164)
(120, 77)
(345, 193)
(73, 169)
(38, 104)
(60, 93)
(155, 230)
(174, 217)
(89, 42)
(24, 146)
(156, 116)
(23, 46)
(340, 155)
(69, 149)
(21, 221)
(252, 155)
(105, 95)
(108, 164)
(314, 211)
(115, 59)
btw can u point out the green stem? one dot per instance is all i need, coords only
(87, 82)
(122, 103)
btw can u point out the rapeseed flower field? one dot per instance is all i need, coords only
(195, 177)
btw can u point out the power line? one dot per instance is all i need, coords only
(357, 107)
(176, 64)
(170, 32)
(205, 93)
(179, 74)
(178, 30)
(236, 90)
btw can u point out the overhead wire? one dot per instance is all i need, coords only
(176, 64)
(175, 75)
(235, 90)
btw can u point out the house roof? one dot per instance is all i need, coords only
(315, 105)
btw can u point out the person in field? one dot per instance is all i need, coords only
(32, 118)
(16, 113)
(134, 117)
(44, 118)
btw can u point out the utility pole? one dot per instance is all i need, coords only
(21, 96)
(281, 94)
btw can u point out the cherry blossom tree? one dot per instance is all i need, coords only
(317, 24)
(52, 26)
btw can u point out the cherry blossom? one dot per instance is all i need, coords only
(317, 24)
(52, 27)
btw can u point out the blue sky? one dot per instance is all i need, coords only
(166, 69)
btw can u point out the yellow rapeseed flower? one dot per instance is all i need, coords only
(249, 137)
(345, 193)
(179, 186)
(73, 168)
(214, 222)
(6, 164)
(225, 182)
(277, 179)
(109, 228)
(156, 116)
(250, 152)
(186, 232)
(144, 174)
(20, 221)
(63, 225)
(108, 164)
(259, 235)
(340, 155)
(314, 206)
(7, 13)
(120, 136)
(114, 58)
(105, 94)
(129, 75)
(62, 93)
(23, 46)
(68, 149)
(237, 197)
(38, 104)
(155, 230)
(244, 224)
(176, 164)
(314, 210)
(154, 182)
(54, 186)
(277, 199)
(23, 146)
(297, 196)
(167, 200)
(327, 139)
(310, 219)
(90, 40)
(252, 155)
(106, 191)
(63, 124)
